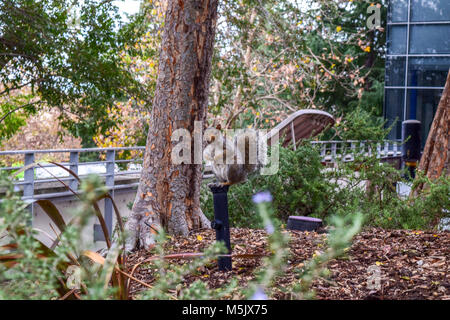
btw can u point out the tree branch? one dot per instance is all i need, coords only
(18, 108)
(20, 86)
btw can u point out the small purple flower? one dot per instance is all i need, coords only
(259, 295)
(269, 228)
(261, 197)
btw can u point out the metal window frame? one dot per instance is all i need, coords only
(410, 87)
(420, 55)
(417, 22)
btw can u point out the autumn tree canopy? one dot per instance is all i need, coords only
(64, 54)
(270, 59)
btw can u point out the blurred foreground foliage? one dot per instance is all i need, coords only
(66, 270)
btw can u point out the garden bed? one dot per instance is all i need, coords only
(414, 264)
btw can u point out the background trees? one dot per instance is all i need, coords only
(272, 58)
(63, 54)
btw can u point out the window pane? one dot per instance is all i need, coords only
(422, 105)
(394, 109)
(395, 71)
(398, 11)
(430, 10)
(396, 42)
(430, 39)
(428, 72)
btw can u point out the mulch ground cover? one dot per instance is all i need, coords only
(413, 264)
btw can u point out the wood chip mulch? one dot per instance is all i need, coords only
(413, 264)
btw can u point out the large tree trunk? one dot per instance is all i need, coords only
(169, 194)
(435, 157)
(435, 154)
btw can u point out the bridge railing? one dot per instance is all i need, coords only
(48, 176)
(346, 151)
(40, 181)
(47, 180)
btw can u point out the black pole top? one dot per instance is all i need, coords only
(218, 188)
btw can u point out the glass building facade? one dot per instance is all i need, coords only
(417, 61)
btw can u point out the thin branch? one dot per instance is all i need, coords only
(18, 108)
(7, 90)
(10, 54)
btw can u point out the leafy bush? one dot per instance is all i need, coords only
(23, 275)
(372, 190)
(360, 124)
(303, 186)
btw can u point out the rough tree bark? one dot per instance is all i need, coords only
(435, 154)
(169, 194)
(435, 157)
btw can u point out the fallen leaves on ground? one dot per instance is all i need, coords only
(413, 264)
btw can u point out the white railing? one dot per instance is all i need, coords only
(332, 151)
(45, 175)
(119, 173)
(47, 180)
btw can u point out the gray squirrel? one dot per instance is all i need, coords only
(232, 160)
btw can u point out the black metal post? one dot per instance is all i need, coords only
(220, 223)
(412, 147)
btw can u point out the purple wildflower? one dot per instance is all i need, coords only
(269, 228)
(262, 197)
(259, 295)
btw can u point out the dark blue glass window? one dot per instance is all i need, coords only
(430, 39)
(394, 103)
(422, 105)
(396, 42)
(398, 11)
(395, 71)
(428, 72)
(430, 10)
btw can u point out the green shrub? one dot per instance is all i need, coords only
(303, 186)
(360, 124)
(372, 191)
